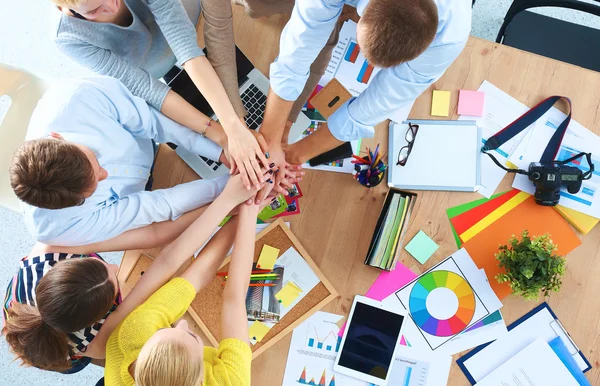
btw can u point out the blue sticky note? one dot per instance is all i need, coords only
(421, 247)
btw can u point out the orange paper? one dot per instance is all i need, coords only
(537, 219)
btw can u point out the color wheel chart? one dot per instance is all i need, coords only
(449, 288)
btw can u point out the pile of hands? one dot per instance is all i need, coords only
(257, 167)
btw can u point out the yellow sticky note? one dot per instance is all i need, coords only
(288, 294)
(257, 331)
(267, 257)
(440, 105)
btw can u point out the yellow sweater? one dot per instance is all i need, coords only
(228, 365)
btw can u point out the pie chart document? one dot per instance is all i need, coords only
(445, 301)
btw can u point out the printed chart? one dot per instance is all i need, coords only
(445, 301)
(323, 382)
(354, 71)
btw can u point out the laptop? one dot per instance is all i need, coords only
(253, 87)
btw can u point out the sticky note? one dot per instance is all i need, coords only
(267, 257)
(470, 103)
(288, 294)
(440, 105)
(421, 247)
(257, 331)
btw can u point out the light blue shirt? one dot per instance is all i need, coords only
(102, 114)
(309, 29)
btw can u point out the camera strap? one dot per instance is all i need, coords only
(526, 120)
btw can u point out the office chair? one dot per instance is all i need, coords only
(550, 37)
(19, 95)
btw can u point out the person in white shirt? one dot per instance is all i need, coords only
(83, 170)
(412, 41)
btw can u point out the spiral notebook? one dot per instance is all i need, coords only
(445, 156)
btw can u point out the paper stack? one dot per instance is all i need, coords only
(500, 109)
(481, 226)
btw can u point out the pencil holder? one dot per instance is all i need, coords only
(369, 176)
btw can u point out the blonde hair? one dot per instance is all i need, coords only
(168, 363)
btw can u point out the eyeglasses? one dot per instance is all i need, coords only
(410, 136)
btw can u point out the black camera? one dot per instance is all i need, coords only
(548, 179)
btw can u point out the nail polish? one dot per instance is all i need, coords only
(271, 165)
(267, 155)
(269, 181)
(270, 171)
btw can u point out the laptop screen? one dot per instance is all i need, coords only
(183, 85)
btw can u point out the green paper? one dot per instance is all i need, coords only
(460, 209)
(421, 247)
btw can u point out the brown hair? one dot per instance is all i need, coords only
(397, 31)
(168, 363)
(74, 294)
(50, 173)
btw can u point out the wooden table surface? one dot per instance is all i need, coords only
(338, 215)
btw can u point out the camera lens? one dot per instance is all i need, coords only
(535, 175)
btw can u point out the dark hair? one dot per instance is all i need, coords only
(74, 294)
(49, 173)
(397, 31)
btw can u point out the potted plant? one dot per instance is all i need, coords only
(531, 266)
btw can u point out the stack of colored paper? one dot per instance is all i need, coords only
(387, 240)
(481, 226)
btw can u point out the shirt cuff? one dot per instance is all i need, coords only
(189, 53)
(159, 93)
(207, 148)
(344, 127)
(286, 84)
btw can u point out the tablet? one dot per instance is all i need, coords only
(369, 344)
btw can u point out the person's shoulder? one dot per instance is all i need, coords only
(454, 21)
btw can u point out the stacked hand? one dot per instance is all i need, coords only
(246, 151)
(285, 173)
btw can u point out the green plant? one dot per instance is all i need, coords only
(531, 266)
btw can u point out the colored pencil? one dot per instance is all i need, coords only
(256, 271)
(257, 285)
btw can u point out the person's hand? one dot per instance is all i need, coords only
(246, 155)
(235, 191)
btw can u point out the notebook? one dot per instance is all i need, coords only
(444, 156)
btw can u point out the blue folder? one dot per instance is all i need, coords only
(537, 309)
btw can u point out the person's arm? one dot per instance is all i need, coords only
(302, 39)
(140, 84)
(220, 48)
(391, 89)
(170, 259)
(234, 321)
(111, 99)
(181, 36)
(138, 210)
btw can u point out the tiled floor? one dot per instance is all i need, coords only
(26, 42)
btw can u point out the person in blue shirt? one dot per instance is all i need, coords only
(412, 41)
(83, 169)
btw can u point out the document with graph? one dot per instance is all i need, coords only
(315, 344)
(348, 64)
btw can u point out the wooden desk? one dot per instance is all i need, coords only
(338, 215)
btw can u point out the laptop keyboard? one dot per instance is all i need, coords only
(214, 165)
(254, 101)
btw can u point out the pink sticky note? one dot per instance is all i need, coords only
(470, 103)
(386, 284)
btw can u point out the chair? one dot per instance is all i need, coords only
(550, 37)
(19, 94)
